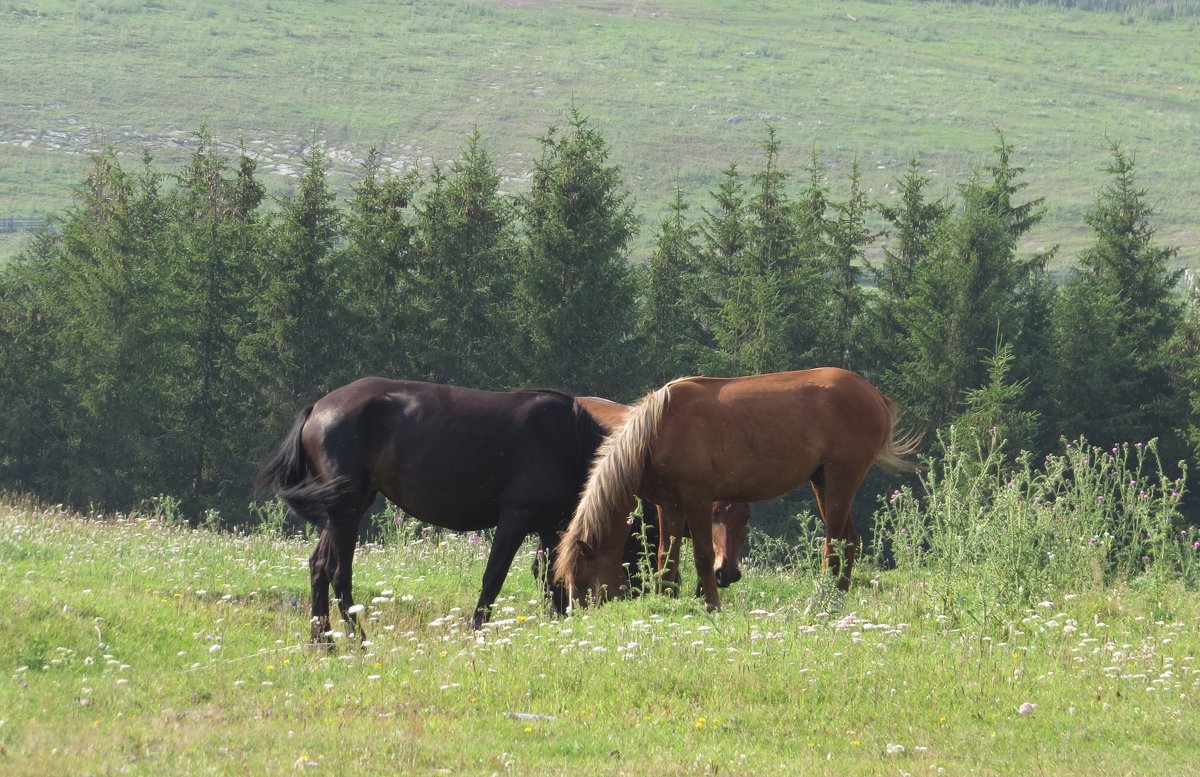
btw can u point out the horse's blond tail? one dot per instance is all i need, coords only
(616, 471)
(895, 448)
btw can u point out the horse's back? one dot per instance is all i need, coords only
(804, 400)
(607, 413)
(447, 454)
(752, 434)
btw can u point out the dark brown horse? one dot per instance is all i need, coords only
(697, 440)
(454, 457)
(729, 519)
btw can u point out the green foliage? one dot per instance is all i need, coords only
(672, 330)
(104, 290)
(968, 288)
(269, 518)
(575, 295)
(166, 509)
(995, 409)
(467, 255)
(847, 237)
(914, 220)
(380, 270)
(1116, 322)
(394, 527)
(28, 382)
(723, 241)
(296, 344)
(1000, 533)
(217, 240)
(1185, 349)
(770, 316)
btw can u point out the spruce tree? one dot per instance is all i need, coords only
(217, 238)
(810, 286)
(380, 272)
(1116, 321)
(723, 239)
(767, 322)
(575, 294)
(969, 289)
(105, 295)
(466, 251)
(31, 440)
(1185, 351)
(848, 237)
(671, 331)
(298, 341)
(912, 221)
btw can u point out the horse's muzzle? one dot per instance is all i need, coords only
(726, 578)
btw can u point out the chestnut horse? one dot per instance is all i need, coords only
(455, 457)
(696, 440)
(729, 519)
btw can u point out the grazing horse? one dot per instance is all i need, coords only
(454, 457)
(729, 519)
(696, 440)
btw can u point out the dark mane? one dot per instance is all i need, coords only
(540, 390)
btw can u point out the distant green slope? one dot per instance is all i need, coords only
(679, 89)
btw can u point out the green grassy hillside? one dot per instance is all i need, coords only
(680, 89)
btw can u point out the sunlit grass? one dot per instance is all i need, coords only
(141, 647)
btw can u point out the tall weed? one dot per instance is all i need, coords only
(992, 534)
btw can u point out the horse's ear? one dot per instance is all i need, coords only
(584, 548)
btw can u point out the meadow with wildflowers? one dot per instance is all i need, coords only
(1000, 624)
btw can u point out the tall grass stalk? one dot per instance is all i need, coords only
(993, 534)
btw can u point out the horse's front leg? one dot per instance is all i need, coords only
(699, 522)
(671, 523)
(515, 524)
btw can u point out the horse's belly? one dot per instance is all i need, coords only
(448, 509)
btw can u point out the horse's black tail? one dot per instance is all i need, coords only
(288, 475)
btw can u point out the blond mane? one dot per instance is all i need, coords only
(616, 471)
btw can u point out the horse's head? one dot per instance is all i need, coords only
(729, 521)
(593, 572)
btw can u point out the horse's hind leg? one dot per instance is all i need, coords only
(321, 565)
(835, 487)
(543, 571)
(332, 564)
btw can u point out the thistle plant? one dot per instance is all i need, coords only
(993, 533)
